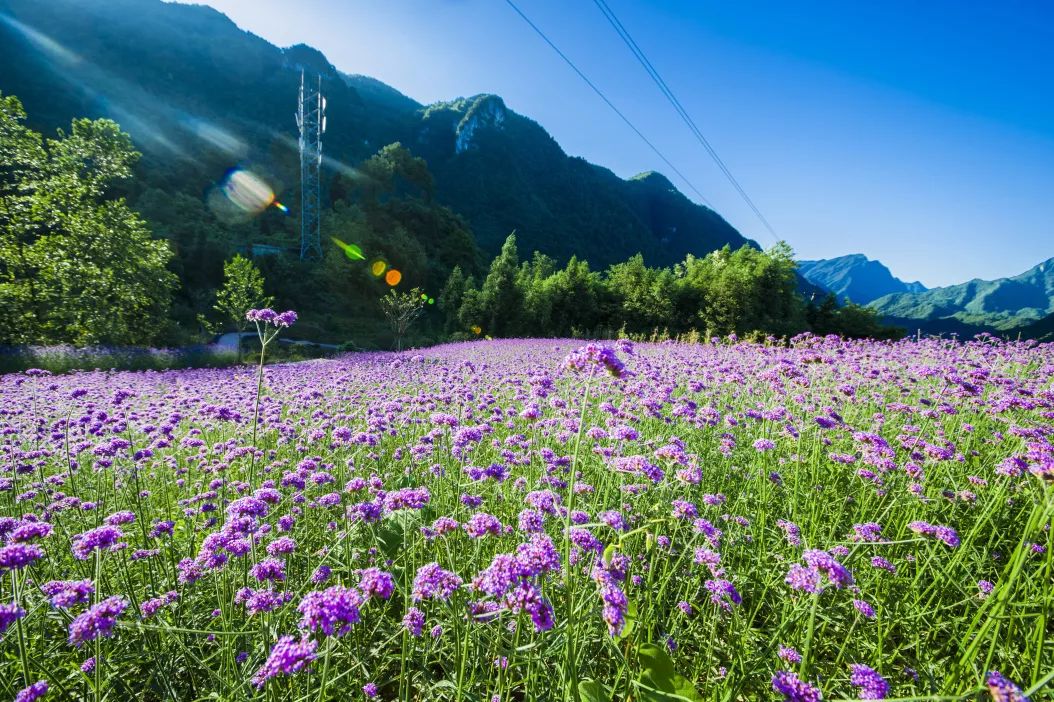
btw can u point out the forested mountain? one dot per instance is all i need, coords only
(855, 277)
(199, 96)
(1004, 304)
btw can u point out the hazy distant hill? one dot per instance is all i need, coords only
(1004, 304)
(200, 95)
(855, 277)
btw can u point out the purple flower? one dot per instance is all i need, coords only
(376, 583)
(791, 530)
(941, 533)
(793, 689)
(262, 600)
(593, 357)
(151, 606)
(67, 593)
(723, 593)
(764, 445)
(481, 524)
(414, 621)
(33, 692)
(531, 520)
(285, 319)
(864, 608)
(526, 597)
(118, 518)
(613, 599)
(97, 621)
(17, 556)
(805, 579)
(432, 582)
(263, 315)
(100, 538)
(868, 531)
(538, 556)
(823, 562)
(871, 685)
(332, 610)
(9, 613)
(1002, 690)
(789, 654)
(288, 656)
(27, 531)
(880, 562)
(370, 690)
(281, 546)
(269, 569)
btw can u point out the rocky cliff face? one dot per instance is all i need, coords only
(486, 111)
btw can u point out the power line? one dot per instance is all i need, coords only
(604, 97)
(668, 93)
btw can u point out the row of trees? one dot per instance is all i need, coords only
(725, 292)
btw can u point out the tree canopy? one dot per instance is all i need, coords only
(77, 265)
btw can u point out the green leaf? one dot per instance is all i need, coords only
(392, 531)
(659, 680)
(592, 691)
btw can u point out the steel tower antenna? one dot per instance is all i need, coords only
(311, 121)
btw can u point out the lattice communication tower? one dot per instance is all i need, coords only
(311, 121)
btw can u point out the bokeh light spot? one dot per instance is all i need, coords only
(378, 267)
(247, 190)
(393, 277)
(352, 251)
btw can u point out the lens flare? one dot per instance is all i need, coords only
(352, 251)
(431, 300)
(378, 267)
(393, 277)
(247, 190)
(476, 329)
(280, 206)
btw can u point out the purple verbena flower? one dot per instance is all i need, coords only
(870, 685)
(288, 656)
(97, 621)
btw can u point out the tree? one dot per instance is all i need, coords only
(644, 296)
(451, 297)
(500, 297)
(243, 290)
(402, 309)
(76, 266)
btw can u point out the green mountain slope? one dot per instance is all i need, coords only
(978, 305)
(199, 96)
(855, 277)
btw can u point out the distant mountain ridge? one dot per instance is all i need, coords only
(1002, 305)
(856, 277)
(199, 95)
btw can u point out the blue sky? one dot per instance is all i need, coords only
(918, 133)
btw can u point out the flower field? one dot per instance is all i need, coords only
(536, 520)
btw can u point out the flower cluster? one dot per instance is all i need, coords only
(269, 316)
